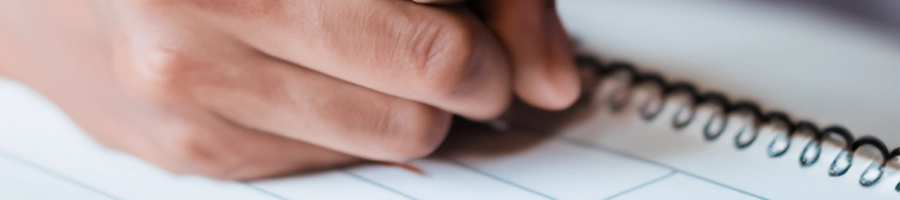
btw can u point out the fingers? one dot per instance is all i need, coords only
(274, 96)
(185, 139)
(540, 51)
(441, 56)
(200, 143)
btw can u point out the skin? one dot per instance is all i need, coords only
(245, 89)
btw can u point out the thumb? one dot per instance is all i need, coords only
(544, 73)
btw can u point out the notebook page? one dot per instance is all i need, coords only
(18, 180)
(750, 170)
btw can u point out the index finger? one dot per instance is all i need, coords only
(441, 56)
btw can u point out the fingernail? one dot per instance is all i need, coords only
(405, 166)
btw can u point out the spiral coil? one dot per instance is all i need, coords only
(746, 136)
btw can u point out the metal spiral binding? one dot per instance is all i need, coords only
(747, 134)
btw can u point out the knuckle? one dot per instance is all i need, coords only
(188, 149)
(162, 74)
(192, 152)
(412, 132)
(442, 53)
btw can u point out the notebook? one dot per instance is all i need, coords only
(692, 113)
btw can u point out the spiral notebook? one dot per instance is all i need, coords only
(821, 124)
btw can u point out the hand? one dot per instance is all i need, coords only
(242, 89)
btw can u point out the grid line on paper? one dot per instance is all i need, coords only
(601, 148)
(364, 179)
(721, 184)
(670, 174)
(258, 189)
(55, 174)
(499, 179)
